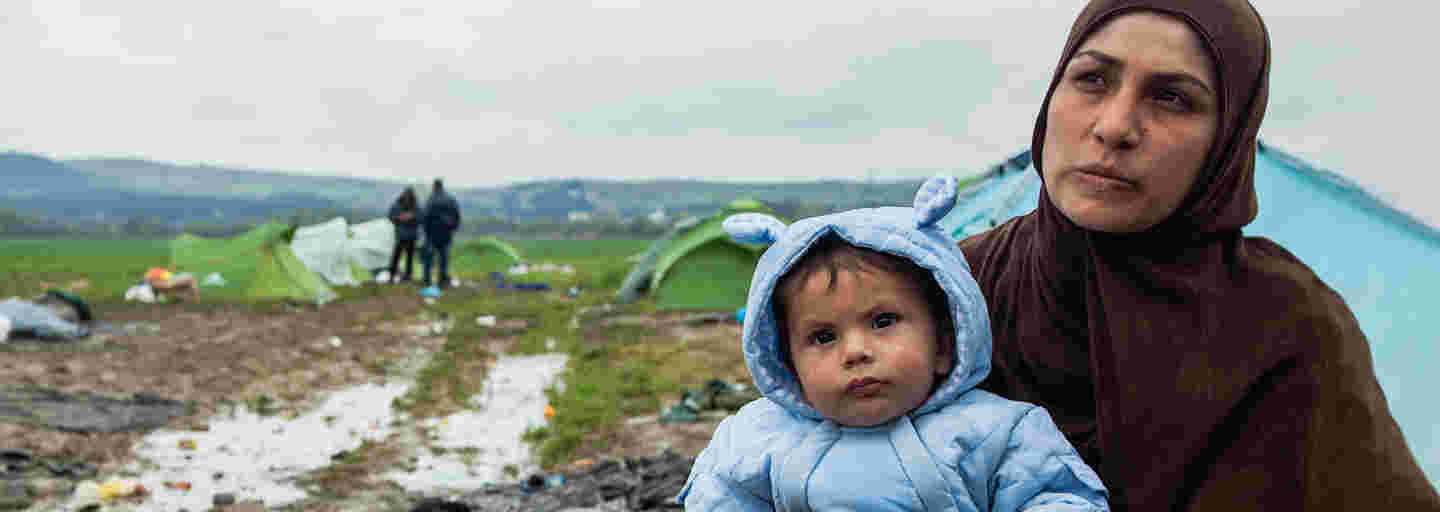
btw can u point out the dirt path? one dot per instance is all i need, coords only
(211, 356)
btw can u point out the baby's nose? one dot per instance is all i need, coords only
(857, 352)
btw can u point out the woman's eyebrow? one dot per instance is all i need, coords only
(1104, 58)
(1168, 76)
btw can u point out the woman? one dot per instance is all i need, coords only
(1192, 367)
(406, 217)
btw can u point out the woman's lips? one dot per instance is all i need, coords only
(1102, 181)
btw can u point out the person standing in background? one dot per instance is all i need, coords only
(405, 215)
(440, 220)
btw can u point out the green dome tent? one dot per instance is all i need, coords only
(257, 264)
(696, 266)
(489, 254)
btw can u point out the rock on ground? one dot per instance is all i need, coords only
(629, 483)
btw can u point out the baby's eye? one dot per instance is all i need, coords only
(884, 320)
(822, 337)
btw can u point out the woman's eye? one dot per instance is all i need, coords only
(1090, 80)
(1172, 98)
(884, 320)
(822, 337)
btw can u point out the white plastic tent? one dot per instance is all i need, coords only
(370, 244)
(321, 247)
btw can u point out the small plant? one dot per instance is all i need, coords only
(261, 404)
(469, 455)
(535, 435)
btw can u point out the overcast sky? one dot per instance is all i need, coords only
(490, 92)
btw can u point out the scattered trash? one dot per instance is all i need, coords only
(630, 483)
(537, 482)
(703, 318)
(187, 444)
(119, 488)
(539, 287)
(485, 321)
(162, 280)
(573, 291)
(335, 341)
(518, 269)
(429, 301)
(213, 279)
(440, 505)
(141, 292)
(430, 291)
(183, 486)
(30, 319)
(224, 498)
(157, 274)
(715, 395)
(69, 306)
(4, 328)
(383, 276)
(740, 315)
(549, 412)
(86, 494)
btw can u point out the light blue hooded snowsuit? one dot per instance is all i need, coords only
(963, 449)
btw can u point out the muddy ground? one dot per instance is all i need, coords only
(210, 356)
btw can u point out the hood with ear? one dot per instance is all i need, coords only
(912, 233)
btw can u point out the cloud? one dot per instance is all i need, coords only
(495, 92)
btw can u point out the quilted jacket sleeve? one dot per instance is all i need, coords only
(1040, 471)
(714, 483)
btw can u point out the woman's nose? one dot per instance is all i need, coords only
(1117, 124)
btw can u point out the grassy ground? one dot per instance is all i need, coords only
(106, 267)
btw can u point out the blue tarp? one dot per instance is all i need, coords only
(29, 319)
(1380, 259)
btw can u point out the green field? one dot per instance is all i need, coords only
(27, 267)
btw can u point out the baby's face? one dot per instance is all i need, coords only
(865, 351)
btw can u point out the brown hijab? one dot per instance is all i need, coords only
(1192, 367)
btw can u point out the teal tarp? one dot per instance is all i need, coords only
(1381, 260)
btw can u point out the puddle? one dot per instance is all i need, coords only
(253, 456)
(256, 457)
(480, 444)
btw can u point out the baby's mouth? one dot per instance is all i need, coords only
(863, 385)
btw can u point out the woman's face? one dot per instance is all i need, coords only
(1130, 124)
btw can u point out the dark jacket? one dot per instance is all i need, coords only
(441, 217)
(405, 230)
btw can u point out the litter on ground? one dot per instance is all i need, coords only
(716, 395)
(30, 319)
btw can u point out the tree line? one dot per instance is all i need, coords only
(13, 224)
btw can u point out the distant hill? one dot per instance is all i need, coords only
(36, 186)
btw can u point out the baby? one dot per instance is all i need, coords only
(867, 336)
